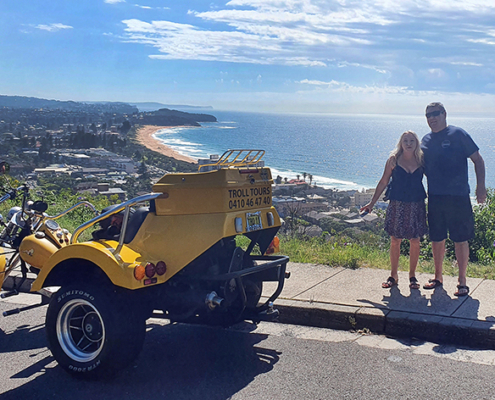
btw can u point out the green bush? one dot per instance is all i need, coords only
(482, 245)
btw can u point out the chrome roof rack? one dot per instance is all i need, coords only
(236, 158)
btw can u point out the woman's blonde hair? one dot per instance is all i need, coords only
(418, 153)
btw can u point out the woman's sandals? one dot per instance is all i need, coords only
(432, 284)
(390, 283)
(413, 283)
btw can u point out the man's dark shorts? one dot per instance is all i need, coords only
(452, 214)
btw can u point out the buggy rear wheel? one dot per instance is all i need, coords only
(93, 332)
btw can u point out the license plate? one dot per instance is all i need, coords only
(253, 221)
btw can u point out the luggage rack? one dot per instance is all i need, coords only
(236, 158)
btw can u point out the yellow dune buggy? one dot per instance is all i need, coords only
(175, 252)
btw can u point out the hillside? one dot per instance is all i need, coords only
(37, 103)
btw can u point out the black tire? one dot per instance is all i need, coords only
(93, 332)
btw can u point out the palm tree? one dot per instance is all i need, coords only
(310, 179)
(298, 176)
(304, 176)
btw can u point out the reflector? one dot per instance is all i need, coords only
(139, 272)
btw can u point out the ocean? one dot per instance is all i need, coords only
(340, 151)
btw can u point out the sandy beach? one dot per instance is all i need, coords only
(145, 137)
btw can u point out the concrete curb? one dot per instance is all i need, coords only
(433, 328)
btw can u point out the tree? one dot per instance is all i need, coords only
(126, 126)
(292, 211)
(304, 174)
(310, 179)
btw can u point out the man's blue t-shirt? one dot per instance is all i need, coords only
(446, 153)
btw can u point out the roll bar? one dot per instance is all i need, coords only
(122, 206)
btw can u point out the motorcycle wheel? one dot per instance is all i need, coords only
(93, 332)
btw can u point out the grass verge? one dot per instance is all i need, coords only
(351, 255)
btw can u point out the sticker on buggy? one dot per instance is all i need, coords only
(250, 197)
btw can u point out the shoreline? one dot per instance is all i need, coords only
(144, 136)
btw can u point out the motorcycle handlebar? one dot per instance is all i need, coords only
(12, 194)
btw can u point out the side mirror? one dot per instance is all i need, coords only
(4, 167)
(39, 206)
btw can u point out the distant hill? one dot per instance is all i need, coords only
(150, 106)
(162, 116)
(36, 103)
(166, 117)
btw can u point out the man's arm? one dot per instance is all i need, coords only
(479, 168)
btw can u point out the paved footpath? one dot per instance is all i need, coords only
(340, 298)
(346, 299)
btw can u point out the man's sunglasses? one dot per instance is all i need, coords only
(433, 114)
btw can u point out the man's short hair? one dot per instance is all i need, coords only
(437, 104)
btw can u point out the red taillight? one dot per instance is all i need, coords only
(150, 270)
(161, 268)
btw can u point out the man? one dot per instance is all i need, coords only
(111, 226)
(446, 150)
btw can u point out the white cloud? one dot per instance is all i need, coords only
(348, 64)
(114, 1)
(436, 72)
(466, 63)
(53, 27)
(483, 41)
(187, 42)
(319, 83)
(151, 8)
(343, 87)
(371, 40)
(287, 29)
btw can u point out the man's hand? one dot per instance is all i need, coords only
(479, 169)
(480, 194)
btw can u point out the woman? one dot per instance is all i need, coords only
(406, 212)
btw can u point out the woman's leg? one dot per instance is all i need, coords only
(394, 256)
(413, 256)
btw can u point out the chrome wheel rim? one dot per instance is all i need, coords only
(80, 330)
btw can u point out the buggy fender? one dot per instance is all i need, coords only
(119, 270)
(2, 267)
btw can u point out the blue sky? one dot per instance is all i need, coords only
(356, 56)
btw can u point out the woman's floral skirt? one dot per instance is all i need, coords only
(406, 220)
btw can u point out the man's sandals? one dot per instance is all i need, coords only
(432, 284)
(462, 290)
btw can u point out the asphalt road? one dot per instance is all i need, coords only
(273, 361)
